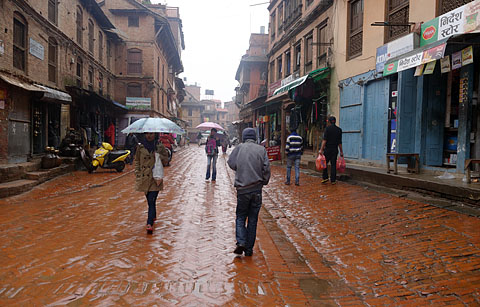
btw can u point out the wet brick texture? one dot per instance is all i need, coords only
(80, 240)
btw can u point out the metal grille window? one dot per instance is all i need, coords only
(134, 90)
(133, 21)
(79, 72)
(79, 26)
(449, 5)
(100, 47)
(355, 36)
(134, 61)
(308, 53)
(91, 30)
(52, 11)
(398, 13)
(322, 45)
(19, 43)
(52, 60)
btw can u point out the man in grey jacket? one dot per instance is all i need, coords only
(252, 172)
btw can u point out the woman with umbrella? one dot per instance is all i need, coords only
(145, 159)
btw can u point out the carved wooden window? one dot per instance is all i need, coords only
(449, 5)
(19, 42)
(133, 21)
(397, 13)
(355, 35)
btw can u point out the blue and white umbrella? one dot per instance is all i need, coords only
(153, 124)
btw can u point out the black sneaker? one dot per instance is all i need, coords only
(248, 253)
(325, 180)
(239, 249)
(287, 183)
(297, 183)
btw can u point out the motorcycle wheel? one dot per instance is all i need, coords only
(91, 168)
(120, 166)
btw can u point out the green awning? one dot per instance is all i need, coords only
(320, 73)
(316, 75)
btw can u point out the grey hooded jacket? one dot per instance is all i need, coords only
(251, 166)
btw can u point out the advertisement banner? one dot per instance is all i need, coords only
(465, 19)
(138, 103)
(445, 64)
(456, 60)
(273, 153)
(395, 48)
(419, 70)
(430, 68)
(416, 59)
(467, 56)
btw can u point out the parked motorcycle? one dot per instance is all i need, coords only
(105, 157)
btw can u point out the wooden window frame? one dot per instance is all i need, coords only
(388, 13)
(134, 63)
(322, 49)
(79, 72)
(20, 45)
(288, 62)
(308, 63)
(298, 56)
(279, 68)
(352, 32)
(100, 46)
(138, 89)
(53, 11)
(91, 36)
(133, 21)
(79, 26)
(52, 60)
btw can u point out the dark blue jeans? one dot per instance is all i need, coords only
(248, 206)
(212, 162)
(331, 156)
(295, 160)
(152, 207)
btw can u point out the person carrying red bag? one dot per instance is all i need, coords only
(332, 141)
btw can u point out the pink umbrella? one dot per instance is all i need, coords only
(209, 125)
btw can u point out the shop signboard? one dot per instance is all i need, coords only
(138, 103)
(273, 153)
(413, 60)
(273, 86)
(395, 48)
(465, 19)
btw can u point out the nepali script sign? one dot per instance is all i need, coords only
(465, 19)
(414, 59)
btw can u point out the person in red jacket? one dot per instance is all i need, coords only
(110, 133)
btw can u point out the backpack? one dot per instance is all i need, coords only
(211, 147)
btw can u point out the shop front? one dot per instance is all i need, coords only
(438, 83)
(301, 105)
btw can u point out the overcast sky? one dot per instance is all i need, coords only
(216, 36)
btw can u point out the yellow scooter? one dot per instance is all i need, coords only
(105, 157)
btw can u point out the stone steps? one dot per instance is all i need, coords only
(25, 178)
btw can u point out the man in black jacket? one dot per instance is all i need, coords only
(332, 141)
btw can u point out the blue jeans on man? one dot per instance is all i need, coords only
(248, 206)
(212, 163)
(152, 206)
(293, 160)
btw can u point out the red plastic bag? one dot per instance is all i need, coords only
(341, 164)
(320, 163)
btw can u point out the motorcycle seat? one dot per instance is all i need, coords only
(117, 153)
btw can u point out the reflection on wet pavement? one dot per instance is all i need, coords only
(80, 240)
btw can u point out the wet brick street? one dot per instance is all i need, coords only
(80, 240)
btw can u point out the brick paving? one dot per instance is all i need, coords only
(80, 240)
